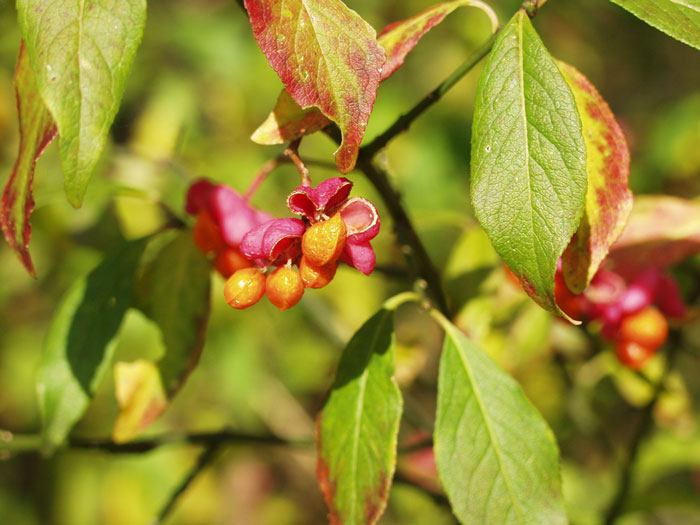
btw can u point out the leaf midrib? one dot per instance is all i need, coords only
(479, 401)
(359, 410)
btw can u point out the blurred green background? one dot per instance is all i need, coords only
(198, 89)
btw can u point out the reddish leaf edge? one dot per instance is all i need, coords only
(9, 194)
(312, 118)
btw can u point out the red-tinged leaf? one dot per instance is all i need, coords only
(399, 39)
(327, 57)
(608, 198)
(661, 232)
(358, 428)
(288, 121)
(37, 130)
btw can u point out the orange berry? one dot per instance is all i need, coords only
(244, 288)
(316, 276)
(229, 261)
(648, 328)
(207, 235)
(284, 287)
(324, 241)
(633, 355)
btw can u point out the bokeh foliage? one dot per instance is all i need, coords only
(199, 87)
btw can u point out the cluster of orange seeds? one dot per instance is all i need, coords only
(322, 245)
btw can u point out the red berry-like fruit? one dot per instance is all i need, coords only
(207, 234)
(229, 261)
(316, 276)
(244, 288)
(633, 355)
(573, 305)
(284, 287)
(324, 241)
(647, 328)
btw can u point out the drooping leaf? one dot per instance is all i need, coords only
(661, 232)
(358, 428)
(328, 57)
(496, 456)
(677, 18)
(80, 341)
(36, 130)
(140, 396)
(528, 180)
(81, 53)
(174, 292)
(288, 121)
(608, 198)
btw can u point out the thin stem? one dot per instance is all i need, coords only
(403, 123)
(20, 444)
(204, 459)
(292, 152)
(267, 168)
(644, 428)
(409, 240)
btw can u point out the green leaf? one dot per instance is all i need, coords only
(327, 57)
(496, 456)
(358, 428)
(37, 130)
(677, 18)
(80, 341)
(608, 199)
(81, 52)
(174, 292)
(528, 158)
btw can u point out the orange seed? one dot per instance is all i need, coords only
(324, 241)
(244, 288)
(284, 287)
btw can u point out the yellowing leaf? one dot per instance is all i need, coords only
(288, 121)
(140, 396)
(327, 57)
(608, 197)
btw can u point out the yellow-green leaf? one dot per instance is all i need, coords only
(608, 198)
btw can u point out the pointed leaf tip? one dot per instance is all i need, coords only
(81, 53)
(528, 159)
